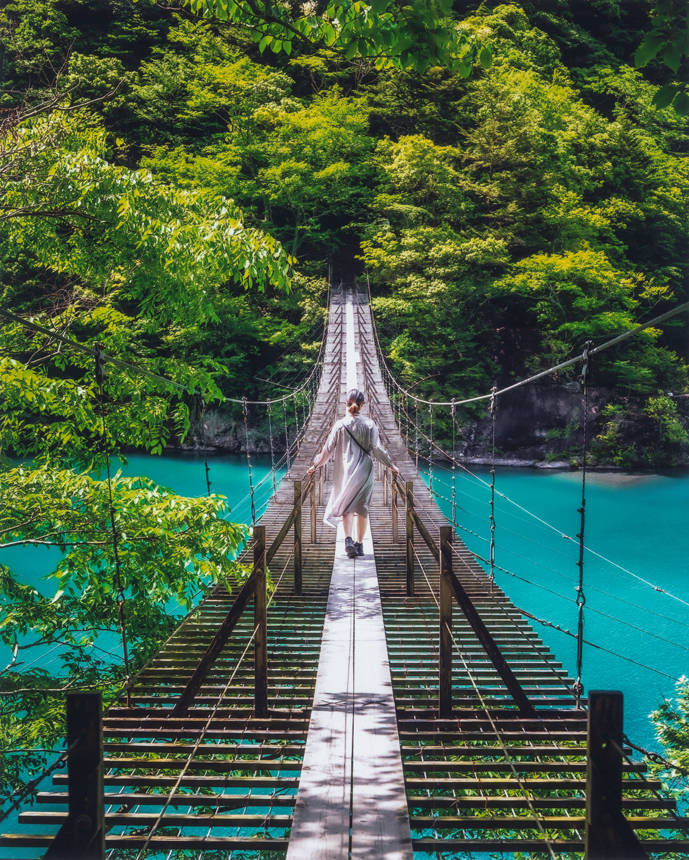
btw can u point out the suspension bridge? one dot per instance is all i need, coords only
(394, 706)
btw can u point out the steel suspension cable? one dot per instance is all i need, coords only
(430, 449)
(549, 526)
(493, 410)
(679, 309)
(486, 710)
(287, 446)
(545, 623)
(453, 412)
(272, 447)
(248, 463)
(581, 599)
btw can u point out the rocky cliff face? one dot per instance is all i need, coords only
(543, 426)
(537, 425)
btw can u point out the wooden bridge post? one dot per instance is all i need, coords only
(395, 536)
(608, 833)
(314, 512)
(385, 487)
(297, 537)
(82, 836)
(321, 479)
(445, 620)
(261, 623)
(410, 538)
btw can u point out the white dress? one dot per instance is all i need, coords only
(353, 473)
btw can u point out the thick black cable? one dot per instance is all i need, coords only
(20, 795)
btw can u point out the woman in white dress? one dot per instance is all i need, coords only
(355, 441)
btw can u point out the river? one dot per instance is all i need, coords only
(638, 522)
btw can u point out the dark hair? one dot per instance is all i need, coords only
(355, 399)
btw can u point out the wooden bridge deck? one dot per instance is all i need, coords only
(488, 779)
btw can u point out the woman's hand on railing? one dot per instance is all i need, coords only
(311, 469)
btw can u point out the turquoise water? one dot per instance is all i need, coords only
(638, 521)
(185, 475)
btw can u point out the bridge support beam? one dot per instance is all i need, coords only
(82, 836)
(609, 835)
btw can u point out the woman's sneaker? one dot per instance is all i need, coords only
(350, 547)
(359, 548)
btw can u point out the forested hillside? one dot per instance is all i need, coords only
(176, 189)
(505, 216)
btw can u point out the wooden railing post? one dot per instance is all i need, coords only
(321, 479)
(261, 624)
(410, 537)
(445, 619)
(608, 833)
(395, 536)
(385, 487)
(83, 833)
(297, 537)
(314, 511)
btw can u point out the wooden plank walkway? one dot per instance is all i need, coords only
(486, 779)
(351, 800)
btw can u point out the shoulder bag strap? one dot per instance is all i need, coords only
(356, 440)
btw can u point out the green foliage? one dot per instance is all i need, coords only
(169, 547)
(416, 36)
(85, 217)
(650, 433)
(671, 721)
(38, 35)
(668, 39)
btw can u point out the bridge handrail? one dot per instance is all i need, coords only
(254, 587)
(450, 587)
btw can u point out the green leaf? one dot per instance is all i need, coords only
(663, 98)
(352, 48)
(329, 34)
(681, 104)
(645, 53)
(672, 57)
(485, 58)
(263, 44)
